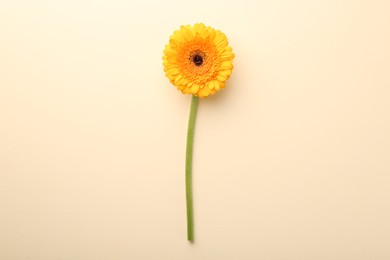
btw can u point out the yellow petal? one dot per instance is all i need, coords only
(186, 32)
(178, 78)
(226, 56)
(226, 65)
(221, 77)
(187, 91)
(195, 88)
(220, 40)
(173, 71)
(205, 92)
(181, 87)
(200, 29)
(176, 38)
(184, 81)
(202, 86)
(210, 84)
(217, 85)
(225, 73)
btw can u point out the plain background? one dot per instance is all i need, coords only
(291, 160)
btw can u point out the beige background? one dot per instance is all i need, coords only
(291, 159)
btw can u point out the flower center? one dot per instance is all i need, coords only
(197, 59)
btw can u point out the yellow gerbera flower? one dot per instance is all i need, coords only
(198, 60)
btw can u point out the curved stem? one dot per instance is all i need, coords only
(190, 142)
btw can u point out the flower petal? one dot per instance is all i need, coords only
(210, 84)
(194, 88)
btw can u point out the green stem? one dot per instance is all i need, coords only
(190, 143)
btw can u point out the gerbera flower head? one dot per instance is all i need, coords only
(198, 60)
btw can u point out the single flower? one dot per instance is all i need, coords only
(198, 60)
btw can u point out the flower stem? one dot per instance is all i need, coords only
(190, 142)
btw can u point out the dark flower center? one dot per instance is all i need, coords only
(197, 59)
